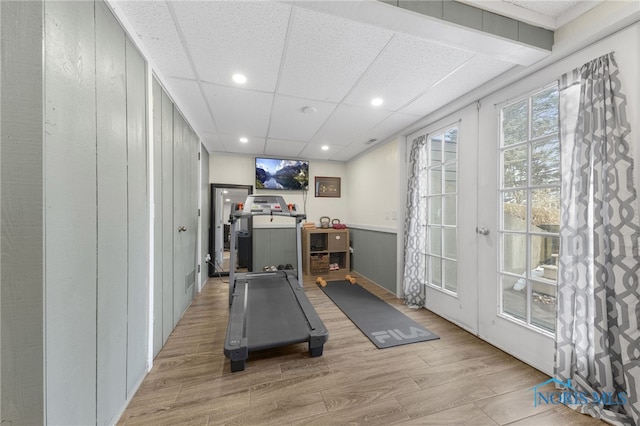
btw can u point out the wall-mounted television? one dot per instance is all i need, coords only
(274, 173)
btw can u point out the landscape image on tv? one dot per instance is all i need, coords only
(274, 173)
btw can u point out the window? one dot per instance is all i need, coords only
(530, 209)
(441, 194)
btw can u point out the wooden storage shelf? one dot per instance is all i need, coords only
(322, 247)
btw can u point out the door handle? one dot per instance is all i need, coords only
(482, 231)
(182, 228)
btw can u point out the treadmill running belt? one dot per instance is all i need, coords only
(274, 317)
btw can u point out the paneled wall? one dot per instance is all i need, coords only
(205, 204)
(21, 213)
(70, 212)
(96, 232)
(157, 213)
(111, 115)
(75, 215)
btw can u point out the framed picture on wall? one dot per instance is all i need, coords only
(327, 186)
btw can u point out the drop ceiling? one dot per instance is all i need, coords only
(313, 67)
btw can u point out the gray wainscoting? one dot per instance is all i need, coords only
(273, 246)
(374, 256)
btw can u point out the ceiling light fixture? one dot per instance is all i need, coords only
(239, 78)
(244, 140)
(325, 148)
(377, 101)
(309, 110)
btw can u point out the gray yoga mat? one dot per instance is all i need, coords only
(383, 324)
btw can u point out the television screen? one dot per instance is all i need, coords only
(272, 173)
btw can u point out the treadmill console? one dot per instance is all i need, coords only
(265, 205)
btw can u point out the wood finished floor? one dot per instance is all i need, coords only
(456, 380)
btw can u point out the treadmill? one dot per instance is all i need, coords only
(269, 309)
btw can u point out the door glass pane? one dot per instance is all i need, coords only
(450, 213)
(450, 275)
(435, 178)
(545, 210)
(514, 211)
(514, 173)
(435, 240)
(514, 257)
(543, 305)
(435, 210)
(544, 256)
(515, 123)
(435, 154)
(514, 296)
(450, 144)
(450, 178)
(450, 243)
(544, 113)
(545, 162)
(436, 271)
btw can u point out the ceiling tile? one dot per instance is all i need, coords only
(284, 148)
(233, 145)
(474, 73)
(239, 112)
(155, 28)
(407, 66)
(290, 122)
(226, 37)
(212, 142)
(387, 128)
(192, 104)
(550, 8)
(327, 55)
(347, 152)
(347, 123)
(315, 152)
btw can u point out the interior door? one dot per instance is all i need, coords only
(518, 217)
(185, 186)
(450, 191)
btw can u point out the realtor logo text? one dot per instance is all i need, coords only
(569, 395)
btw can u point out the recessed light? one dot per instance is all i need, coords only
(239, 78)
(325, 148)
(244, 140)
(377, 101)
(309, 110)
(227, 200)
(225, 191)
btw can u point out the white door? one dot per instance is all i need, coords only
(518, 217)
(449, 177)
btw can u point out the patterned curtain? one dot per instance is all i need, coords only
(598, 338)
(415, 234)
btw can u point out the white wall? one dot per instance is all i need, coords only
(240, 170)
(373, 196)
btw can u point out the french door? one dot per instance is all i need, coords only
(449, 193)
(492, 195)
(518, 225)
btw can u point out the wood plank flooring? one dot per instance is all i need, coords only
(456, 380)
